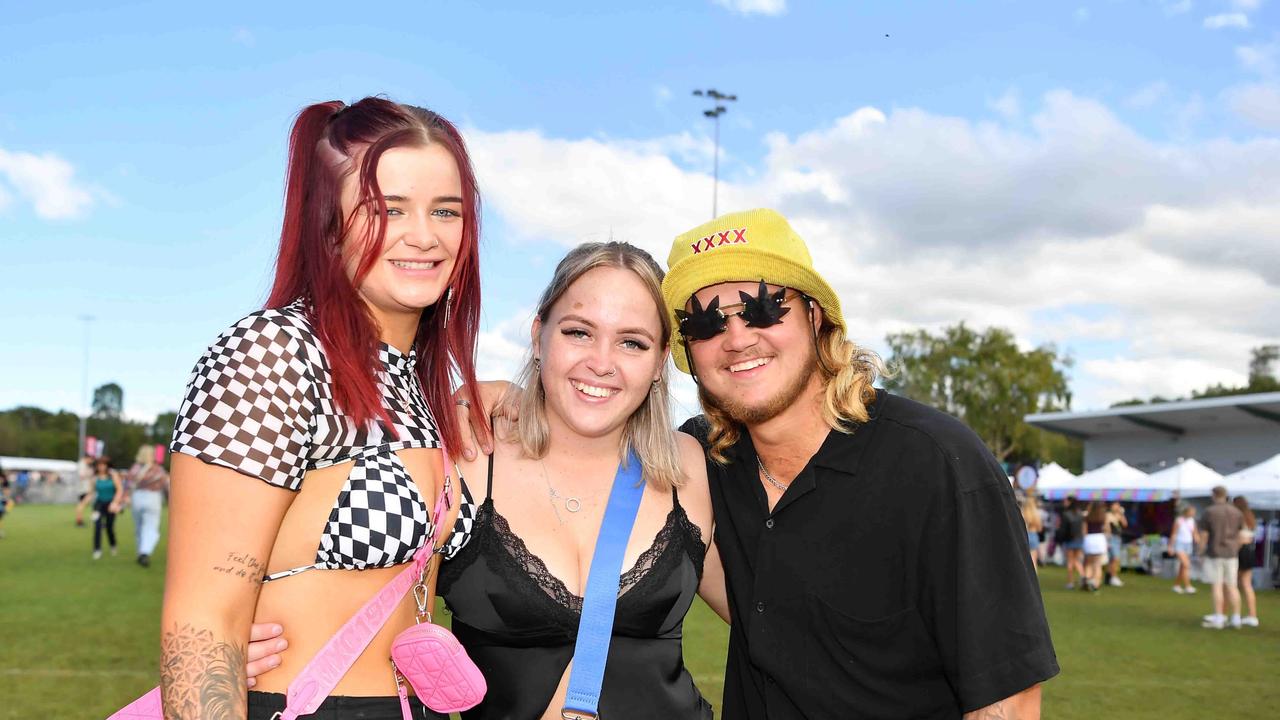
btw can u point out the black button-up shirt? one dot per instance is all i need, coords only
(892, 579)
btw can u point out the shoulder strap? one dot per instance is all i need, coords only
(595, 629)
(321, 675)
(488, 492)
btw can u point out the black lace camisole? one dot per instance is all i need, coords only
(519, 622)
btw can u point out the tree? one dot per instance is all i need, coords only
(984, 380)
(108, 401)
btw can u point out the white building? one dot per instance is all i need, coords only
(1224, 433)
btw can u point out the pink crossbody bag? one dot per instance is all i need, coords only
(426, 655)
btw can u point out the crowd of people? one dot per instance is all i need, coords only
(108, 492)
(1091, 537)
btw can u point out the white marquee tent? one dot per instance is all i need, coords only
(1190, 479)
(1260, 484)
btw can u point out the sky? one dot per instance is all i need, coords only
(1099, 175)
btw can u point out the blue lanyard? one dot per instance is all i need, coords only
(595, 629)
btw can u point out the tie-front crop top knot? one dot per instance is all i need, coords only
(261, 402)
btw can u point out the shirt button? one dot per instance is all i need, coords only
(769, 523)
(760, 606)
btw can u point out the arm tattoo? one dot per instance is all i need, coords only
(242, 565)
(201, 678)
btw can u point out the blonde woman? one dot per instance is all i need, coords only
(593, 386)
(1035, 525)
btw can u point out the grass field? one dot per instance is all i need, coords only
(78, 637)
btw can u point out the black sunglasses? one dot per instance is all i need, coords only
(764, 310)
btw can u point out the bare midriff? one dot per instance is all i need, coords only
(313, 605)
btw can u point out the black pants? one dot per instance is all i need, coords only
(340, 707)
(106, 519)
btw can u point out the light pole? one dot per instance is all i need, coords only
(84, 387)
(714, 113)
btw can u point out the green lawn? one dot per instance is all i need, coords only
(78, 637)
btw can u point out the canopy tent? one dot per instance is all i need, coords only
(1053, 477)
(11, 464)
(1117, 480)
(1189, 479)
(1259, 484)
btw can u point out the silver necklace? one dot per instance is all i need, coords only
(572, 504)
(772, 480)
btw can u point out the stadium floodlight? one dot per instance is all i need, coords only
(714, 113)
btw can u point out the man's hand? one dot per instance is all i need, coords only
(265, 646)
(1023, 706)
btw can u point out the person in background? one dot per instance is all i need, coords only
(1035, 525)
(107, 492)
(1219, 527)
(1095, 545)
(1071, 537)
(1116, 523)
(148, 481)
(1248, 561)
(1181, 542)
(4, 499)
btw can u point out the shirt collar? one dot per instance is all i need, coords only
(396, 362)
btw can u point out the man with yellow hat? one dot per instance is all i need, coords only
(875, 560)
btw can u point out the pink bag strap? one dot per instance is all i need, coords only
(310, 688)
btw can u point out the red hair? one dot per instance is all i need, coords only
(329, 141)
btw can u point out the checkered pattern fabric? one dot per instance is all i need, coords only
(380, 519)
(461, 534)
(261, 402)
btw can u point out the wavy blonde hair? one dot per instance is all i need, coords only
(649, 430)
(848, 371)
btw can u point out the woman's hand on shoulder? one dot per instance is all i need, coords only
(494, 399)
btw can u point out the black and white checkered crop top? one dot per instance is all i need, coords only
(261, 402)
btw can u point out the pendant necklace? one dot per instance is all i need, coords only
(772, 480)
(572, 504)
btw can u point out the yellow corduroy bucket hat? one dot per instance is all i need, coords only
(741, 247)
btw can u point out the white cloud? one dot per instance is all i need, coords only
(1260, 59)
(1259, 103)
(1246, 5)
(1227, 20)
(1082, 14)
(46, 181)
(923, 220)
(1176, 7)
(1149, 94)
(1007, 105)
(754, 7)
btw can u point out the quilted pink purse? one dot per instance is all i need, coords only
(430, 658)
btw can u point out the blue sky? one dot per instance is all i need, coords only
(1102, 175)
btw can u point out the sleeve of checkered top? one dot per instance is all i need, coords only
(249, 404)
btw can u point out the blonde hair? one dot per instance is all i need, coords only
(848, 371)
(649, 430)
(1031, 513)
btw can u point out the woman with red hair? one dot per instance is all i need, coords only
(339, 388)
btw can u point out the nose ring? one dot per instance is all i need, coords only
(612, 372)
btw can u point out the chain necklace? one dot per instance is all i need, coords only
(572, 504)
(772, 480)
